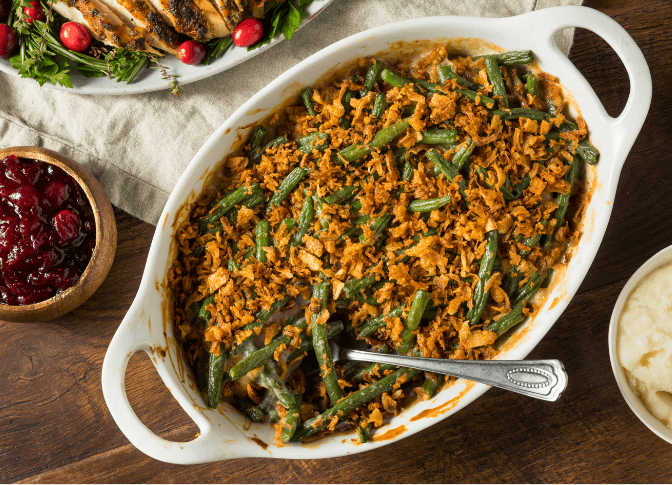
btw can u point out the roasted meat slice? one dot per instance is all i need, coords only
(104, 24)
(141, 14)
(232, 11)
(196, 18)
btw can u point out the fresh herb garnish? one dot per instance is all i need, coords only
(175, 89)
(282, 17)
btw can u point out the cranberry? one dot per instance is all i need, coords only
(75, 37)
(34, 12)
(29, 224)
(4, 9)
(66, 224)
(32, 172)
(14, 170)
(248, 32)
(6, 296)
(56, 193)
(8, 41)
(7, 187)
(89, 225)
(191, 52)
(25, 199)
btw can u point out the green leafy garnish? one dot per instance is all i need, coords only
(282, 17)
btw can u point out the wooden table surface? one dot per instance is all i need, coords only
(55, 427)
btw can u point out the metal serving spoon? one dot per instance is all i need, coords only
(542, 379)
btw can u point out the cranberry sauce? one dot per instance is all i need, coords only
(47, 231)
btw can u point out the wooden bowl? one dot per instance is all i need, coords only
(103, 253)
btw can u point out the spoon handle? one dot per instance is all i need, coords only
(541, 379)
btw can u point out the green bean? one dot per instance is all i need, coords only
(314, 141)
(343, 121)
(269, 378)
(377, 226)
(588, 152)
(432, 383)
(461, 157)
(250, 202)
(262, 240)
(530, 288)
(371, 76)
(286, 186)
(305, 220)
(285, 226)
(383, 138)
(363, 431)
(394, 79)
(321, 344)
(354, 286)
(335, 328)
(428, 86)
(262, 355)
(563, 199)
(379, 106)
(260, 319)
(484, 274)
(446, 73)
(533, 114)
(428, 205)
(369, 328)
(496, 79)
(253, 411)
(343, 195)
(307, 97)
(408, 110)
(412, 321)
(511, 58)
(291, 422)
(399, 154)
(225, 205)
(204, 313)
(274, 143)
(215, 378)
(448, 170)
(352, 402)
(257, 140)
(518, 189)
(477, 98)
(532, 84)
(439, 136)
(514, 317)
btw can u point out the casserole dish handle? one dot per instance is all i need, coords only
(133, 335)
(625, 128)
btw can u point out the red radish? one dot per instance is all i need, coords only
(4, 9)
(34, 12)
(75, 36)
(248, 32)
(191, 52)
(8, 41)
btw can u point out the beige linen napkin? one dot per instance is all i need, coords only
(138, 145)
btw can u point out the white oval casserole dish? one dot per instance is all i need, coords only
(225, 432)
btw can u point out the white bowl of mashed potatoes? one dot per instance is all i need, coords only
(640, 343)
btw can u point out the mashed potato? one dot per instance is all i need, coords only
(645, 342)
